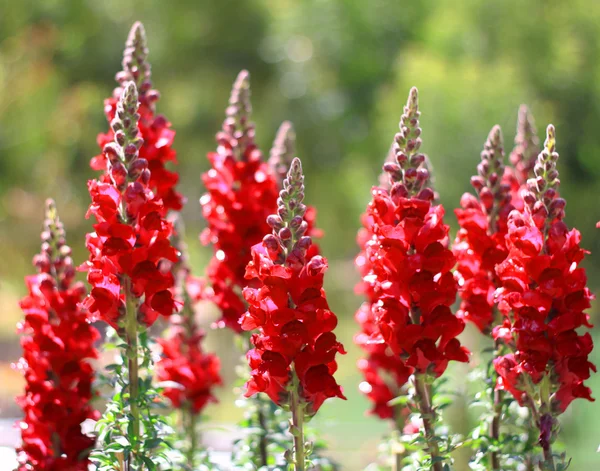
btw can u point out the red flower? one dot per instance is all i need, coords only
(58, 343)
(543, 293)
(242, 192)
(184, 363)
(406, 323)
(384, 372)
(480, 242)
(155, 130)
(289, 309)
(131, 236)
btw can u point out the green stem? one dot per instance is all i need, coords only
(495, 429)
(297, 409)
(497, 415)
(193, 436)
(131, 338)
(548, 458)
(428, 416)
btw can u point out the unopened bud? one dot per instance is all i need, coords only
(410, 175)
(274, 221)
(417, 160)
(118, 173)
(304, 243)
(120, 137)
(130, 152)
(296, 222)
(426, 194)
(137, 167)
(477, 182)
(285, 233)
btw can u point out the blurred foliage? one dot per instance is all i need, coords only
(340, 70)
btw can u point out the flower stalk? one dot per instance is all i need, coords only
(131, 339)
(429, 417)
(297, 424)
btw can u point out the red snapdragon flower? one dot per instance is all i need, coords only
(154, 129)
(384, 372)
(185, 363)
(242, 192)
(193, 372)
(58, 343)
(480, 243)
(288, 307)
(544, 294)
(409, 263)
(131, 235)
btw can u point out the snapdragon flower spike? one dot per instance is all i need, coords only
(384, 373)
(543, 297)
(289, 309)
(154, 129)
(131, 235)
(480, 243)
(183, 362)
(58, 344)
(186, 364)
(527, 145)
(242, 192)
(409, 263)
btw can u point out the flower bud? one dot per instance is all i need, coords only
(274, 221)
(120, 137)
(285, 234)
(136, 168)
(145, 176)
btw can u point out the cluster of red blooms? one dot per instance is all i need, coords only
(406, 267)
(131, 235)
(242, 192)
(288, 307)
(57, 347)
(154, 129)
(183, 361)
(383, 371)
(543, 294)
(480, 243)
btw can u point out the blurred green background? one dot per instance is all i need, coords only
(340, 70)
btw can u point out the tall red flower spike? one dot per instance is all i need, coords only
(154, 129)
(407, 276)
(184, 362)
(543, 297)
(131, 235)
(480, 243)
(58, 344)
(409, 264)
(383, 371)
(293, 359)
(242, 192)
